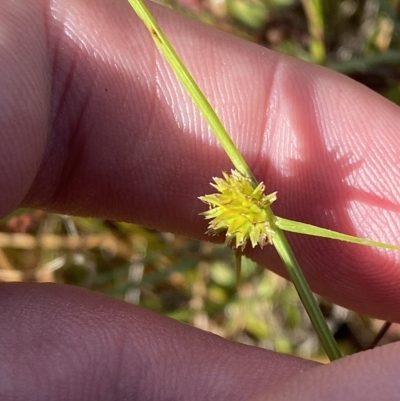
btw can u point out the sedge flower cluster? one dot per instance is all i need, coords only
(240, 210)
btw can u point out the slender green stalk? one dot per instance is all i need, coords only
(305, 294)
(279, 239)
(315, 19)
(238, 258)
(191, 86)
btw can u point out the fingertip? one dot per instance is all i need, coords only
(369, 375)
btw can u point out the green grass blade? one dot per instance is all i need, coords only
(191, 86)
(315, 20)
(309, 229)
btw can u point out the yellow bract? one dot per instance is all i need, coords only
(239, 209)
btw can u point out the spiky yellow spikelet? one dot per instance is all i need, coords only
(240, 210)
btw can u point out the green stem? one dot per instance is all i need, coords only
(240, 164)
(191, 86)
(315, 20)
(305, 294)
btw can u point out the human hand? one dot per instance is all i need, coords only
(94, 123)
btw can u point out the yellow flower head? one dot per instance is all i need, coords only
(239, 209)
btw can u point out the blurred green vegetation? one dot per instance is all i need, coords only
(193, 281)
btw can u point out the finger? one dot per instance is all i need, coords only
(65, 343)
(24, 98)
(127, 143)
(370, 375)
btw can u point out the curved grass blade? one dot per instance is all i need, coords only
(309, 229)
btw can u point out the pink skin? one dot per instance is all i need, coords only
(94, 123)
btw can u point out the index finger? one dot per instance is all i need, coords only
(124, 140)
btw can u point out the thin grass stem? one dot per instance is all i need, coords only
(191, 86)
(315, 20)
(240, 164)
(307, 298)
